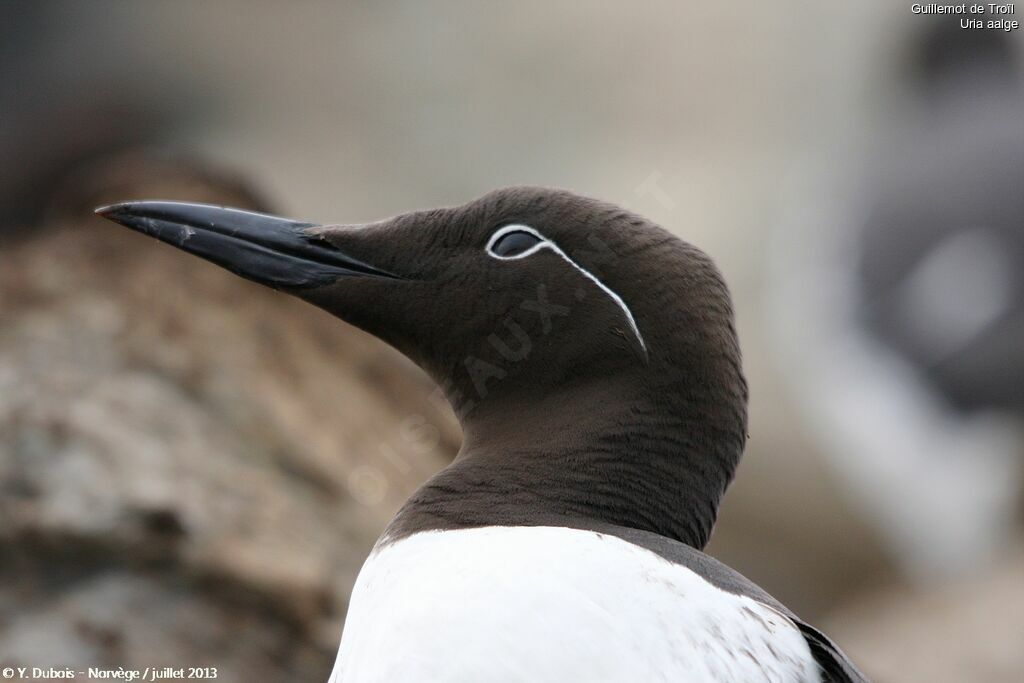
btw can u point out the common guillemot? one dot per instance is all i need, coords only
(592, 360)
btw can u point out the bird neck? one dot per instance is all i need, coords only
(614, 453)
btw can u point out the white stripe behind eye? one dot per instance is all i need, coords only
(545, 243)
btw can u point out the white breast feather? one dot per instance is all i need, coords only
(547, 605)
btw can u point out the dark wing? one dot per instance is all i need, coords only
(836, 667)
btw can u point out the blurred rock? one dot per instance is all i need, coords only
(146, 172)
(192, 467)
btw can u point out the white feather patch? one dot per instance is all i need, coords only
(547, 605)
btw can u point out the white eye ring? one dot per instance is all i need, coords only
(542, 241)
(545, 243)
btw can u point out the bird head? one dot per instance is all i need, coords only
(525, 296)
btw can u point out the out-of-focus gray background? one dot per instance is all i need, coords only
(192, 468)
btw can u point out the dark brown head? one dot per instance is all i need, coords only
(565, 331)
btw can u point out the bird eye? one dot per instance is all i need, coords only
(514, 243)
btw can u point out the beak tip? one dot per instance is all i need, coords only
(109, 211)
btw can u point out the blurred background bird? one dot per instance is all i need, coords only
(903, 338)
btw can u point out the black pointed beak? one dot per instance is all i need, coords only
(273, 251)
